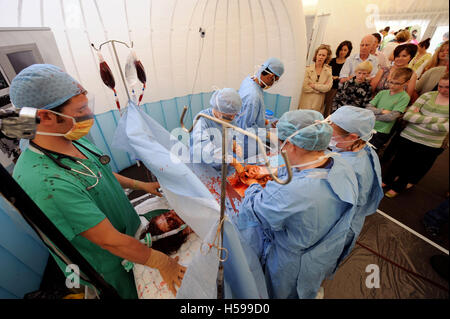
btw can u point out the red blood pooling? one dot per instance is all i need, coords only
(212, 184)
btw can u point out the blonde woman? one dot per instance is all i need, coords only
(318, 80)
(440, 57)
(434, 70)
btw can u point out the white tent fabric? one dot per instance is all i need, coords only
(239, 35)
(318, 33)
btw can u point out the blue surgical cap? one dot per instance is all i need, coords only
(309, 137)
(43, 86)
(274, 65)
(354, 120)
(226, 101)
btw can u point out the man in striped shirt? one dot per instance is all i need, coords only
(421, 140)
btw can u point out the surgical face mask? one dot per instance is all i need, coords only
(223, 116)
(81, 127)
(334, 141)
(318, 160)
(227, 117)
(333, 146)
(266, 86)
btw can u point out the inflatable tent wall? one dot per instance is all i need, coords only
(182, 67)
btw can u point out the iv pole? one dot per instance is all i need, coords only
(226, 125)
(117, 59)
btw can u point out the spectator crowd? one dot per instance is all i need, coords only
(407, 89)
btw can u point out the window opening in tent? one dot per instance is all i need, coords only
(420, 25)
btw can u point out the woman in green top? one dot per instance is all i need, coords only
(420, 142)
(82, 196)
(421, 58)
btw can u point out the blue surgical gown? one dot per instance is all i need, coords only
(366, 166)
(206, 141)
(299, 230)
(252, 114)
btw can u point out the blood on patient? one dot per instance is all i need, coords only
(163, 223)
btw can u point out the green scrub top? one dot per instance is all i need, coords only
(61, 194)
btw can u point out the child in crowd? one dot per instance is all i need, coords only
(355, 92)
(389, 105)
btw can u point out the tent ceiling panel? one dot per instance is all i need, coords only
(411, 6)
(239, 36)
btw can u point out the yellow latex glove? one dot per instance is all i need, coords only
(171, 272)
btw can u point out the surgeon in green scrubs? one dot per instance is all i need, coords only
(61, 171)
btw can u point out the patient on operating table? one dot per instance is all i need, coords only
(163, 224)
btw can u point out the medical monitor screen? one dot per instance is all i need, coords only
(3, 83)
(21, 59)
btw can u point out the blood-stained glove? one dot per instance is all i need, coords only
(171, 272)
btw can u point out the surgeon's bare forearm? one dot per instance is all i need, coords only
(129, 248)
(107, 237)
(149, 187)
(125, 182)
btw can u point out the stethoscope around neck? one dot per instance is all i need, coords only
(104, 159)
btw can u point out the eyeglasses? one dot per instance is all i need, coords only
(395, 83)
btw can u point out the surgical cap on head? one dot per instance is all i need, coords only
(309, 137)
(43, 86)
(226, 101)
(274, 65)
(354, 120)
